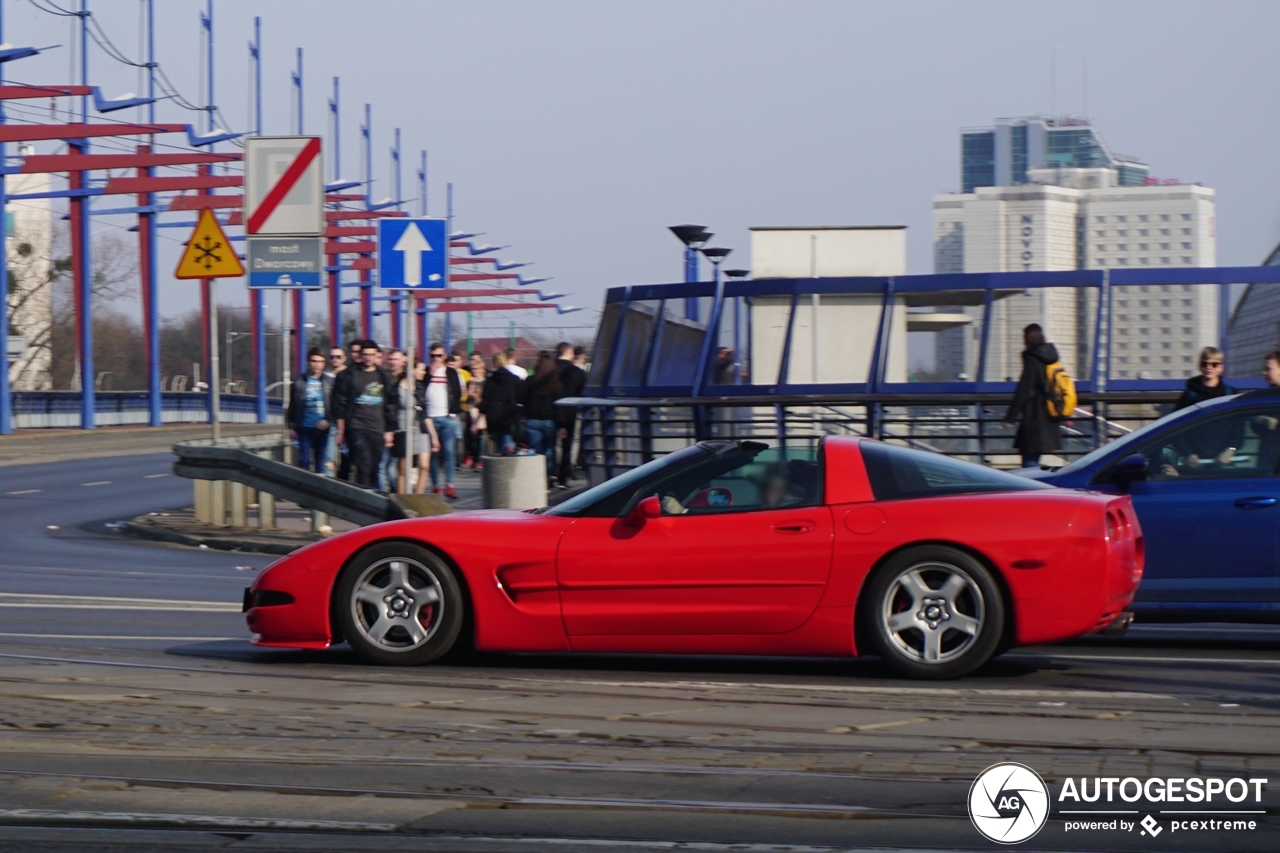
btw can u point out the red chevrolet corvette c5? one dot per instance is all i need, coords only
(842, 547)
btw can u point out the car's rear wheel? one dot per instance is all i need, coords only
(400, 604)
(933, 612)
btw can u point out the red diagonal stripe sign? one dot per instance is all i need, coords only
(281, 189)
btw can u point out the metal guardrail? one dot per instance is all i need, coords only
(621, 433)
(40, 409)
(241, 461)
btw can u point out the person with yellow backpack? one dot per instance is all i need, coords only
(1045, 395)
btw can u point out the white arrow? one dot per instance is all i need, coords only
(413, 244)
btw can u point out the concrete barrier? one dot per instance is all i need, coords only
(515, 482)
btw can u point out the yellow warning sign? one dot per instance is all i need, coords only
(209, 253)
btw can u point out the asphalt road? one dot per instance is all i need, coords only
(135, 716)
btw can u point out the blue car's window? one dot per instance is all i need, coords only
(1238, 444)
(898, 472)
(1133, 438)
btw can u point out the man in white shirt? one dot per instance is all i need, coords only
(442, 403)
(520, 372)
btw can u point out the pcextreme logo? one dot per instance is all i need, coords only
(1009, 803)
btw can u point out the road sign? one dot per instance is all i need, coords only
(208, 253)
(413, 253)
(283, 186)
(285, 261)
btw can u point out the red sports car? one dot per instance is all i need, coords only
(841, 547)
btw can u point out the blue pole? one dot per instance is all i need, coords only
(80, 248)
(337, 137)
(448, 317)
(395, 314)
(422, 186)
(366, 276)
(6, 401)
(155, 402)
(256, 302)
(300, 295)
(691, 275)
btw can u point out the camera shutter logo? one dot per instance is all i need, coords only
(1009, 803)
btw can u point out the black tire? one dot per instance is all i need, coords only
(933, 612)
(413, 590)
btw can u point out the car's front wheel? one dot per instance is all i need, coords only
(400, 604)
(933, 612)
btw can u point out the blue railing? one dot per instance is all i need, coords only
(36, 409)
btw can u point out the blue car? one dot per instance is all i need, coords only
(1205, 487)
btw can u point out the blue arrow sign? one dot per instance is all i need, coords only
(413, 254)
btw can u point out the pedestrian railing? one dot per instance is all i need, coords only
(622, 433)
(43, 409)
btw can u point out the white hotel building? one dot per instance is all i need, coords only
(1044, 194)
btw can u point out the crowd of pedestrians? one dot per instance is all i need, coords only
(347, 414)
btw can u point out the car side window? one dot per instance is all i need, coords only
(743, 481)
(1240, 444)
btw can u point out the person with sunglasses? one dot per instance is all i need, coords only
(1209, 385)
(443, 403)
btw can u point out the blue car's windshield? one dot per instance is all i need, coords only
(1137, 435)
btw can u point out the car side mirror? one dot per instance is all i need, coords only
(1130, 469)
(650, 507)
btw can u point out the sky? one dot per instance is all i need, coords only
(577, 131)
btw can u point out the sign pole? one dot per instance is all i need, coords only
(409, 399)
(286, 383)
(215, 381)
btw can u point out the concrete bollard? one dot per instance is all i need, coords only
(203, 495)
(266, 511)
(238, 503)
(218, 503)
(515, 482)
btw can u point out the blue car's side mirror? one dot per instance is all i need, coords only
(1130, 469)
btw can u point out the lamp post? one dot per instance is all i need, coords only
(715, 254)
(694, 238)
(737, 274)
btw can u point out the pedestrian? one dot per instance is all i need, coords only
(580, 463)
(309, 412)
(365, 408)
(394, 362)
(499, 398)
(475, 421)
(425, 442)
(443, 403)
(337, 362)
(352, 360)
(464, 415)
(540, 395)
(334, 456)
(514, 366)
(572, 380)
(1037, 429)
(1210, 384)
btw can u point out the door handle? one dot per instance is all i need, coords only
(1255, 503)
(794, 526)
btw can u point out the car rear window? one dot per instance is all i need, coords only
(899, 472)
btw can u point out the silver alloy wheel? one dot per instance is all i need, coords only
(933, 612)
(397, 603)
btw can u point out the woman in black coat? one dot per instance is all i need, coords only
(502, 392)
(1037, 429)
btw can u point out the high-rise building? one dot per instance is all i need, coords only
(1047, 194)
(29, 255)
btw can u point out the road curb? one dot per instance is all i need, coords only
(143, 530)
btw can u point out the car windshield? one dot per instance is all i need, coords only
(621, 486)
(1138, 435)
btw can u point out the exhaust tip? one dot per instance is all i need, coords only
(1119, 626)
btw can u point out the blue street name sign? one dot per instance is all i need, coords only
(290, 262)
(413, 254)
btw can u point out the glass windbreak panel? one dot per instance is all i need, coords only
(1157, 330)
(745, 477)
(678, 345)
(729, 363)
(604, 342)
(1067, 316)
(899, 472)
(833, 339)
(633, 345)
(766, 325)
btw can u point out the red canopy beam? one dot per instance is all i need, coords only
(40, 132)
(87, 162)
(16, 93)
(457, 307)
(482, 276)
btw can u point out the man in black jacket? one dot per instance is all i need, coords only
(572, 380)
(365, 401)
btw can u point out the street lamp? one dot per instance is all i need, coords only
(716, 254)
(694, 238)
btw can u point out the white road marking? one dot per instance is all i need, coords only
(97, 483)
(154, 476)
(846, 688)
(219, 821)
(25, 492)
(120, 637)
(80, 602)
(1152, 659)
